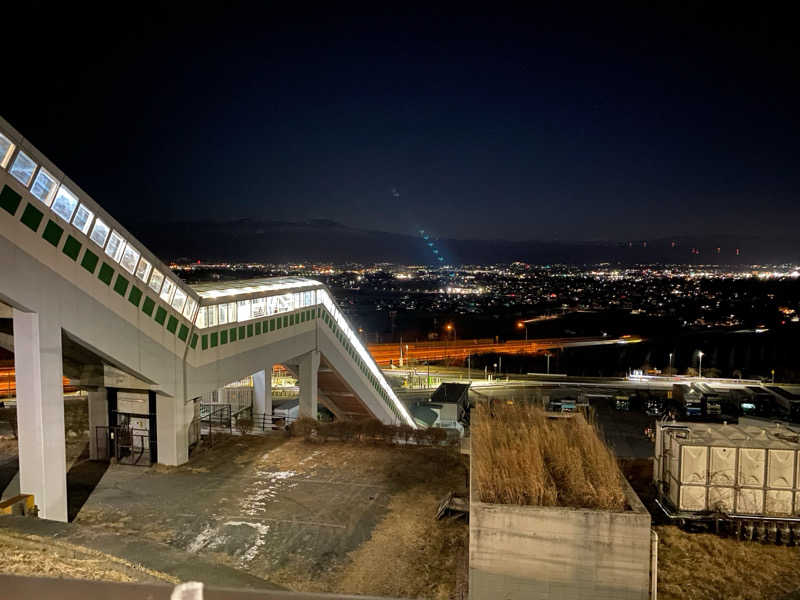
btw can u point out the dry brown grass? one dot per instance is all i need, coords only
(704, 566)
(32, 555)
(520, 456)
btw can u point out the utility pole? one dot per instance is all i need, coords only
(429, 373)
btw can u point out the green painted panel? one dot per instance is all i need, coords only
(161, 315)
(72, 247)
(291, 319)
(193, 343)
(183, 332)
(52, 232)
(148, 306)
(258, 328)
(32, 217)
(223, 336)
(303, 317)
(233, 334)
(172, 324)
(272, 325)
(89, 261)
(285, 321)
(250, 330)
(121, 285)
(214, 339)
(204, 341)
(9, 200)
(241, 332)
(135, 297)
(105, 274)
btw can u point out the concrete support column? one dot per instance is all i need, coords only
(98, 417)
(222, 396)
(40, 413)
(308, 367)
(262, 392)
(172, 431)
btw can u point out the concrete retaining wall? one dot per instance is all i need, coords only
(534, 552)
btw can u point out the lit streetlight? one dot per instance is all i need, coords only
(521, 325)
(700, 366)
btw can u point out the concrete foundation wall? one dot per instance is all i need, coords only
(532, 552)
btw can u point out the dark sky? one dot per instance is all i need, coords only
(585, 125)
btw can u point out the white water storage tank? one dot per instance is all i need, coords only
(732, 469)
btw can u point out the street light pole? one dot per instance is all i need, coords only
(700, 367)
(547, 354)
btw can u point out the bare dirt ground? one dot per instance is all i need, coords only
(25, 554)
(333, 517)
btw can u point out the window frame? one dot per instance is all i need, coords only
(5, 159)
(138, 254)
(51, 194)
(89, 220)
(119, 250)
(69, 194)
(102, 223)
(33, 171)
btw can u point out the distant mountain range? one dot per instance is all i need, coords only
(329, 241)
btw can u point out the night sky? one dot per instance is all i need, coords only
(580, 126)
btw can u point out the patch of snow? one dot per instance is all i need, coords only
(252, 551)
(263, 489)
(202, 539)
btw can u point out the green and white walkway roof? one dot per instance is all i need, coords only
(42, 200)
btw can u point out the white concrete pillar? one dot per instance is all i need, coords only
(262, 392)
(98, 417)
(308, 369)
(40, 413)
(172, 431)
(222, 396)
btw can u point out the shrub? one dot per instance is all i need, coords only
(305, 427)
(405, 432)
(244, 425)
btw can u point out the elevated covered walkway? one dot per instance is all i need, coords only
(150, 345)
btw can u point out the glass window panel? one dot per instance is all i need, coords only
(82, 219)
(143, 270)
(179, 299)
(188, 310)
(200, 321)
(156, 280)
(6, 150)
(244, 310)
(65, 203)
(129, 259)
(258, 308)
(231, 312)
(100, 232)
(223, 314)
(116, 244)
(211, 316)
(44, 186)
(167, 291)
(23, 168)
